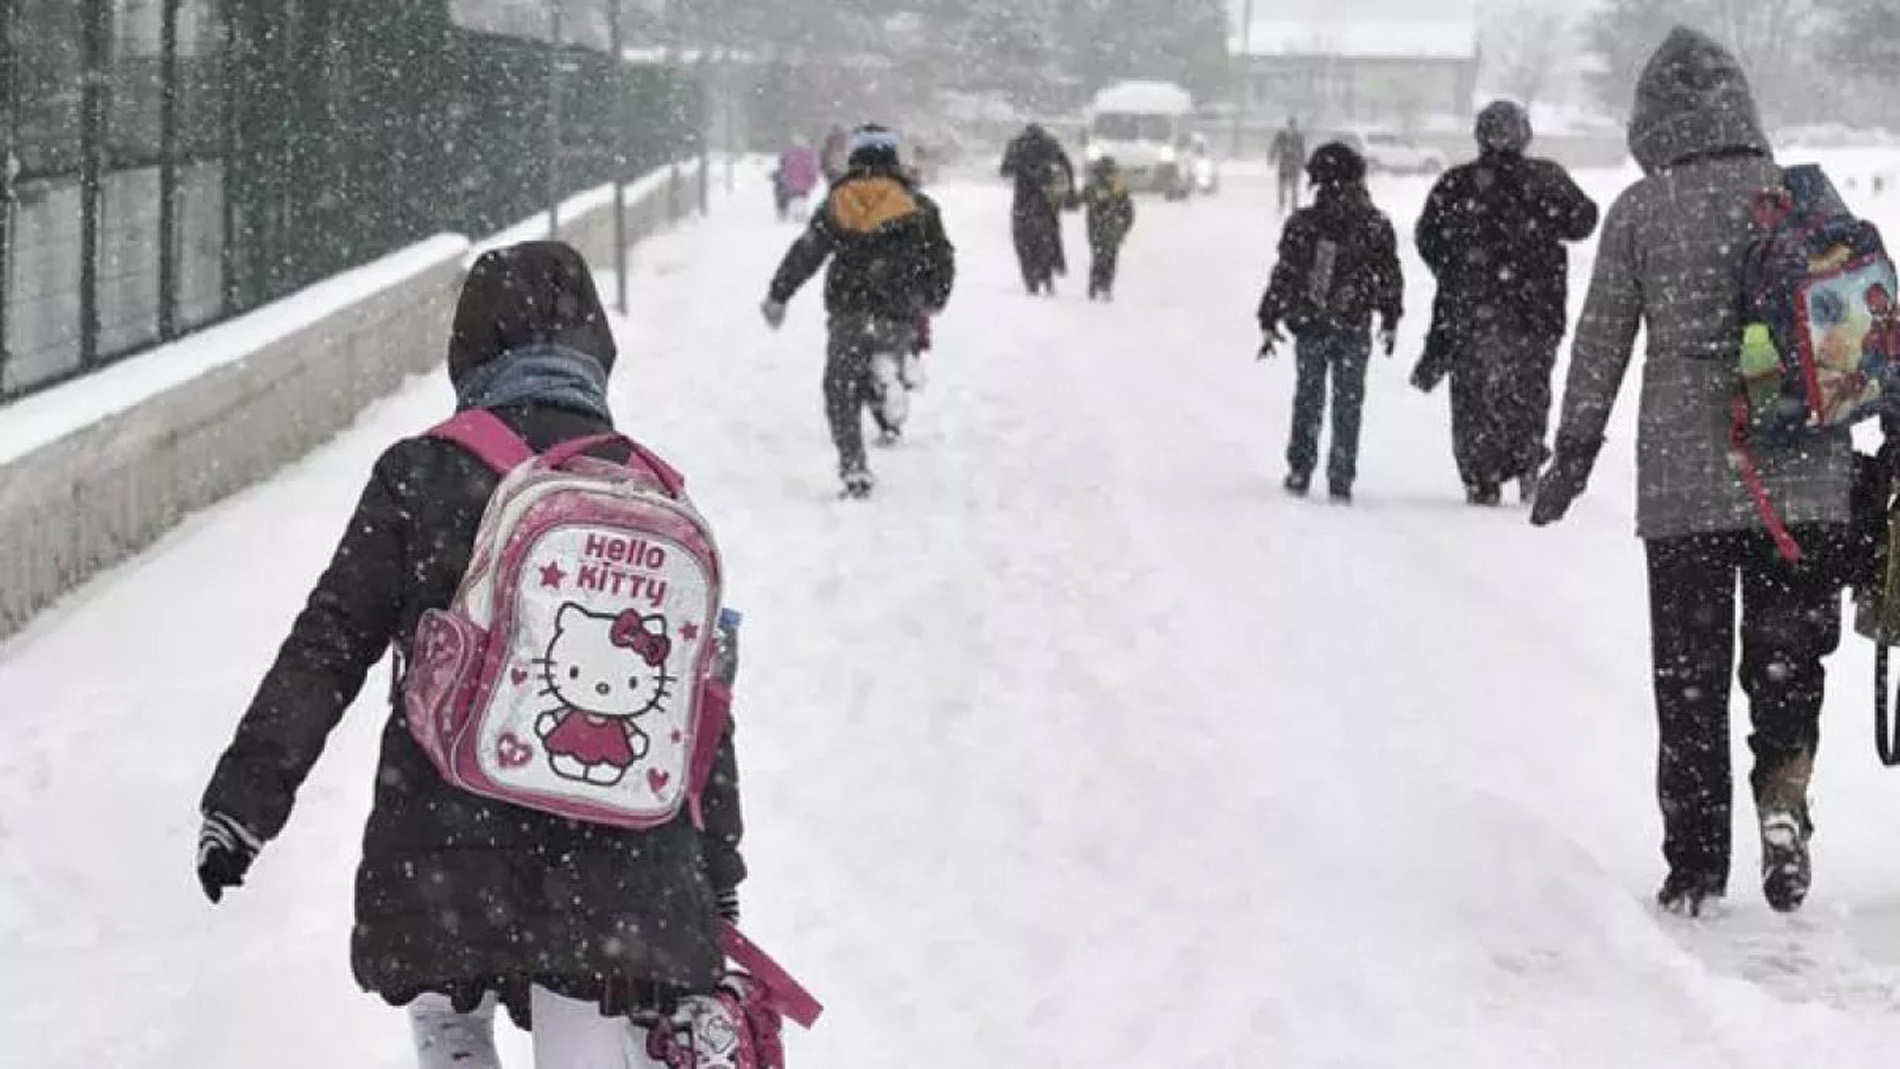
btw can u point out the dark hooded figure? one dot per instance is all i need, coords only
(1045, 185)
(1669, 264)
(1338, 267)
(1493, 233)
(892, 268)
(460, 899)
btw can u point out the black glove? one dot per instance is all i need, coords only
(226, 849)
(1272, 342)
(1389, 336)
(1563, 482)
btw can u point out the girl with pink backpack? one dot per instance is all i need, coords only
(610, 937)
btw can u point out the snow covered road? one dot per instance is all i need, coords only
(1080, 745)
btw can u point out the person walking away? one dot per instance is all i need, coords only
(797, 176)
(463, 901)
(1110, 212)
(1338, 266)
(1288, 153)
(1669, 263)
(834, 156)
(1493, 233)
(892, 265)
(1044, 184)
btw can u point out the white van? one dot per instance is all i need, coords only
(1144, 126)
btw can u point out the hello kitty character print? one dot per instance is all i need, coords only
(571, 673)
(607, 672)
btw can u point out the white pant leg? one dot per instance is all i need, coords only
(893, 402)
(449, 1040)
(571, 1034)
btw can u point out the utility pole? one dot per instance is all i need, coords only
(621, 93)
(554, 119)
(1242, 75)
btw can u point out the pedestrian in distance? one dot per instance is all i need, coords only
(1110, 212)
(1338, 267)
(1493, 233)
(1288, 155)
(891, 267)
(1044, 180)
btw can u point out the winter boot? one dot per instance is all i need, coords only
(1527, 487)
(1782, 805)
(857, 484)
(1340, 493)
(1689, 894)
(1483, 495)
(1298, 483)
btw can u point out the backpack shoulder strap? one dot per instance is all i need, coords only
(788, 996)
(483, 433)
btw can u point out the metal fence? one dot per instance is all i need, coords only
(169, 163)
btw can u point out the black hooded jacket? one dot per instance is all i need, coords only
(890, 257)
(1493, 233)
(1364, 277)
(456, 893)
(1035, 160)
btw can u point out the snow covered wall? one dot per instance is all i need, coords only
(96, 470)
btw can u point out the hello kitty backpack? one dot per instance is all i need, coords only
(571, 672)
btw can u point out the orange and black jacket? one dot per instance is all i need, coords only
(890, 257)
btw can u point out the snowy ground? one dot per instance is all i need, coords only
(1081, 745)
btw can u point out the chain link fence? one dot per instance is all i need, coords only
(170, 163)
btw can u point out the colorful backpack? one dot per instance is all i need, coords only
(1821, 336)
(738, 1026)
(571, 674)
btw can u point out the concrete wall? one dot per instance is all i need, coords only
(253, 395)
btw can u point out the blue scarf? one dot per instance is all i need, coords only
(543, 373)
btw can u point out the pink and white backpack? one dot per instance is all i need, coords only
(571, 672)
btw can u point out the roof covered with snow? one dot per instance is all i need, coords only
(1147, 98)
(1380, 39)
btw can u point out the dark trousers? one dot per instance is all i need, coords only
(1790, 620)
(1105, 258)
(1289, 192)
(1037, 230)
(1344, 357)
(850, 384)
(1500, 406)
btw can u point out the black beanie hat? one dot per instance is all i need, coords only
(1504, 126)
(1336, 164)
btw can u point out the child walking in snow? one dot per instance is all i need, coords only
(1111, 215)
(1338, 265)
(464, 902)
(891, 265)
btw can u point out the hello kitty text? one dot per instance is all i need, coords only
(620, 568)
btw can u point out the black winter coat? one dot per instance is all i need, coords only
(890, 257)
(1364, 278)
(1110, 211)
(1493, 234)
(456, 893)
(1038, 164)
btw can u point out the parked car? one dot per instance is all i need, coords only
(1389, 152)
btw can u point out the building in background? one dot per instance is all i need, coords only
(1408, 75)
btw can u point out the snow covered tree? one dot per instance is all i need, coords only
(1524, 44)
(1773, 39)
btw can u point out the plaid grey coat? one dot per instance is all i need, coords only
(1670, 262)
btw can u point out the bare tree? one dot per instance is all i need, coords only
(1524, 46)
